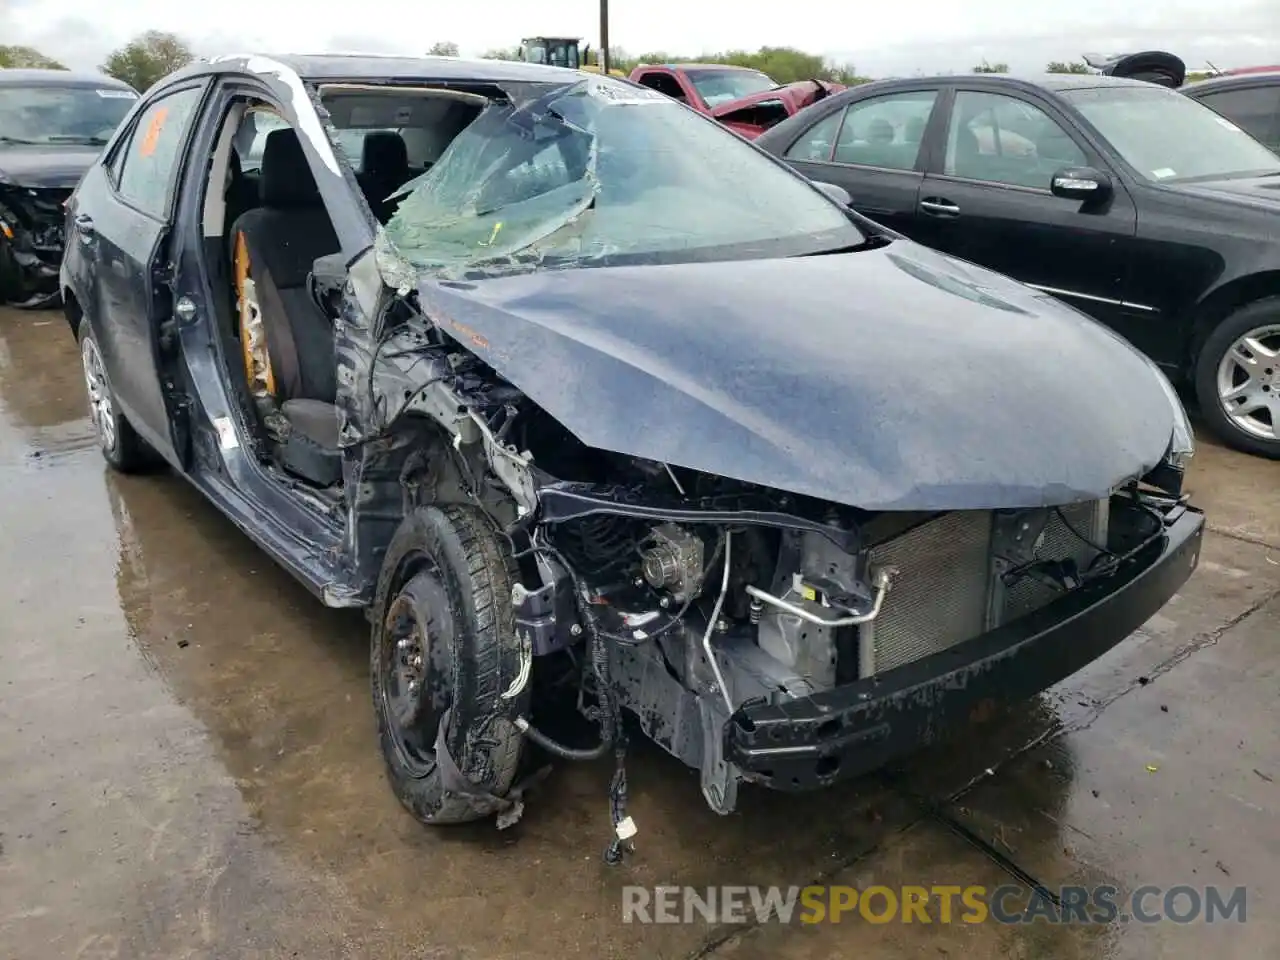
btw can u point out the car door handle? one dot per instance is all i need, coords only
(84, 224)
(938, 207)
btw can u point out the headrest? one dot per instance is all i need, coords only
(286, 180)
(384, 152)
(880, 130)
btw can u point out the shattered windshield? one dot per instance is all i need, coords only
(61, 114)
(601, 173)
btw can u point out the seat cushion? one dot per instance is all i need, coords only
(314, 419)
(311, 449)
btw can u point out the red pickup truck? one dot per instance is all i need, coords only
(743, 99)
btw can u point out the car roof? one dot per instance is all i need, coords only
(706, 66)
(1045, 81)
(59, 78)
(1048, 82)
(323, 67)
(1227, 80)
(1244, 71)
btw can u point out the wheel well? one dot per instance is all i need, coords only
(71, 310)
(1225, 301)
(415, 463)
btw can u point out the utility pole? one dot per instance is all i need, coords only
(604, 37)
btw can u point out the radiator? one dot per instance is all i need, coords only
(940, 595)
(948, 588)
(1088, 520)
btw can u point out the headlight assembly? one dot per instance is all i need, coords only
(1182, 445)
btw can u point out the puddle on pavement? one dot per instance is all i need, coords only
(197, 766)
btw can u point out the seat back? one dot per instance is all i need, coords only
(283, 237)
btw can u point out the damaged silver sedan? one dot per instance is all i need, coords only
(590, 402)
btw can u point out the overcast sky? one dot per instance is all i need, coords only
(903, 37)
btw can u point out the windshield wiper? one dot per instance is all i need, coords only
(78, 138)
(7, 139)
(873, 241)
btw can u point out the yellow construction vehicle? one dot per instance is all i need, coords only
(567, 52)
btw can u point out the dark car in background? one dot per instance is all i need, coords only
(1248, 98)
(1124, 198)
(53, 124)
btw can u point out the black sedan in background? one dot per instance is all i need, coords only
(1128, 200)
(53, 125)
(1249, 99)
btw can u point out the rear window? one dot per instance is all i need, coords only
(1254, 109)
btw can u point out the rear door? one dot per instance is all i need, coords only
(1254, 107)
(127, 232)
(873, 148)
(986, 198)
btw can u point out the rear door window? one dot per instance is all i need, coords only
(885, 131)
(147, 164)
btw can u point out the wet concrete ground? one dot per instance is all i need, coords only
(188, 766)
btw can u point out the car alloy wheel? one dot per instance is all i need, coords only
(1248, 382)
(101, 408)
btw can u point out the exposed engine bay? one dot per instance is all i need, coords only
(694, 595)
(31, 233)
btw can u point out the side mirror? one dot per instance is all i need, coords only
(1081, 183)
(839, 194)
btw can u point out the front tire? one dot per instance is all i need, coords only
(123, 449)
(1238, 379)
(444, 643)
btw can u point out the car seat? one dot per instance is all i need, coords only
(276, 245)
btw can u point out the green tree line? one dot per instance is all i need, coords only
(140, 62)
(784, 64)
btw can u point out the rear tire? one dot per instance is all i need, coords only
(444, 601)
(10, 278)
(14, 289)
(123, 449)
(1221, 367)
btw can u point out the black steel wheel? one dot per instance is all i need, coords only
(444, 647)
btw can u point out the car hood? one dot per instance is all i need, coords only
(1249, 191)
(55, 166)
(887, 379)
(796, 96)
